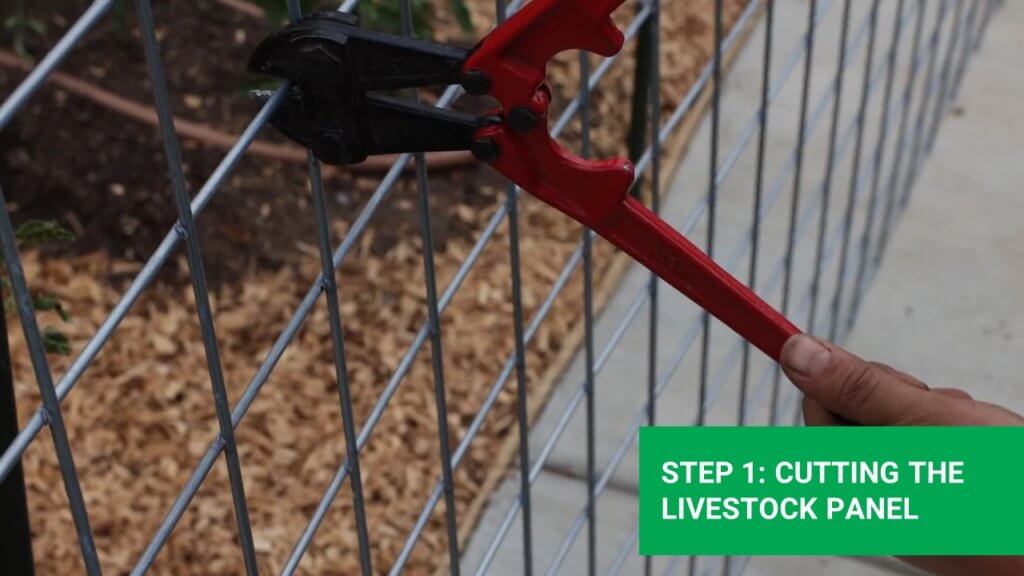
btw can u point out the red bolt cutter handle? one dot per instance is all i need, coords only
(596, 193)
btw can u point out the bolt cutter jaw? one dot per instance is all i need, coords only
(368, 125)
(329, 54)
(335, 67)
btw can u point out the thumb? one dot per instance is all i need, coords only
(859, 391)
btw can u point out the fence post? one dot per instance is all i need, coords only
(637, 137)
(15, 532)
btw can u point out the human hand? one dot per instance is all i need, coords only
(842, 389)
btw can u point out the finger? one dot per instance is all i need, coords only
(900, 375)
(967, 565)
(854, 389)
(953, 393)
(815, 415)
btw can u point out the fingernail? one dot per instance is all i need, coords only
(807, 357)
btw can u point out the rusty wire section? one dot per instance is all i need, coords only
(912, 108)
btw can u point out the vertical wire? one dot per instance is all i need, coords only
(970, 40)
(985, 19)
(844, 248)
(896, 185)
(44, 381)
(654, 88)
(794, 209)
(880, 146)
(588, 329)
(921, 128)
(716, 95)
(940, 108)
(829, 169)
(945, 81)
(330, 289)
(521, 383)
(186, 227)
(329, 286)
(716, 117)
(437, 352)
(755, 232)
(654, 95)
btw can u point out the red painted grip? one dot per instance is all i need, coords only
(640, 233)
(595, 193)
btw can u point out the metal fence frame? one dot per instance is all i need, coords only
(914, 113)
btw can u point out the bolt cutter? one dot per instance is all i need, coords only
(337, 107)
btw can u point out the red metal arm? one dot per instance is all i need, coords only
(595, 193)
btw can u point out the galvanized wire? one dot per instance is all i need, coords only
(186, 227)
(52, 60)
(880, 147)
(755, 232)
(892, 200)
(434, 320)
(829, 167)
(797, 183)
(654, 100)
(941, 87)
(736, 256)
(51, 405)
(837, 296)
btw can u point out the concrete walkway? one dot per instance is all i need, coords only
(947, 306)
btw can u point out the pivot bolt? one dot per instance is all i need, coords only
(522, 119)
(476, 83)
(485, 150)
(329, 147)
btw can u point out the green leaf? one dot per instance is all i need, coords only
(56, 342)
(22, 27)
(462, 16)
(35, 26)
(35, 232)
(45, 303)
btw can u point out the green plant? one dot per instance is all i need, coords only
(21, 27)
(34, 233)
(461, 12)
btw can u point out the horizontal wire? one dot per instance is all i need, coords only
(13, 453)
(721, 376)
(698, 86)
(718, 383)
(478, 420)
(152, 266)
(52, 60)
(138, 285)
(630, 316)
(726, 367)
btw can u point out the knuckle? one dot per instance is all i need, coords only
(859, 386)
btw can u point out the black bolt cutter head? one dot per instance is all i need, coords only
(333, 66)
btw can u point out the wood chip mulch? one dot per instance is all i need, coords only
(142, 416)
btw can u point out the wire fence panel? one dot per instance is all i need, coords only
(905, 67)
